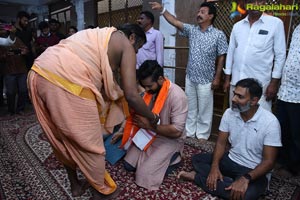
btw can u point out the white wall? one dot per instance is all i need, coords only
(169, 32)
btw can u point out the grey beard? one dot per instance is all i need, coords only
(241, 109)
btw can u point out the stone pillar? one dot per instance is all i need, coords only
(79, 7)
(169, 33)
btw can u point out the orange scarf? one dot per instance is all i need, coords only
(130, 129)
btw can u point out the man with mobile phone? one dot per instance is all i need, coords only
(15, 74)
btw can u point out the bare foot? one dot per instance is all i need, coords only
(79, 188)
(99, 196)
(186, 176)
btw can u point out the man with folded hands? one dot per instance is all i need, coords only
(155, 150)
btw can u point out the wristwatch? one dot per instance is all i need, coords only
(248, 177)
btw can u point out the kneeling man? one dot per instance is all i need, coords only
(169, 101)
(253, 134)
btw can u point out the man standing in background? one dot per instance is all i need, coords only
(25, 34)
(288, 110)
(154, 47)
(256, 50)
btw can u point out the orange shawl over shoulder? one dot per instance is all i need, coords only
(130, 129)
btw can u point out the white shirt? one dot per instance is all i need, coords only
(248, 138)
(252, 50)
(6, 41)
(289, 90)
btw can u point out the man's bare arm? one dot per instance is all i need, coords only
(215, 174)
(267, 164)
(239, 187)
(218, 74)
(128, 75)
(164, 130)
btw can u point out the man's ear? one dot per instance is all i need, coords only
(132, 38)
(161, 80)
(254, 101)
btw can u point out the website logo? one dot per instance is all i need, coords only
(273, 7)
(236, 10)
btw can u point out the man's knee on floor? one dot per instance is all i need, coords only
(129, 167)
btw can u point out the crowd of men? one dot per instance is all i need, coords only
(108, 78)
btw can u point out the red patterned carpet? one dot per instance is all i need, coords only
(29, 170)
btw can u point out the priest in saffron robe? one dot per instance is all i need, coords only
(72, 85)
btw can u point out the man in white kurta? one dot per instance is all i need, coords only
(166, 150)
(256, 50)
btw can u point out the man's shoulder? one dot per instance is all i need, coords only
(266, 115)
(218, 31)
(156, 31)
(271, 18)
(272, 21)
(176, 91)
(230, 114)
(239, 24)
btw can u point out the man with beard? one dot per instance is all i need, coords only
(46, 38)
(253, 134)
(163, 153)
(72, 86)
(154, 47)
(24, 33)
(54, 28)
(257, 49)
(208, 47)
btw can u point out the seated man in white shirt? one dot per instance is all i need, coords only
(254, 137)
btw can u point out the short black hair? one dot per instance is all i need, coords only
(211, 9)
(91, 26)
(129, 29)
(149, 15)
(54, 21)
(22, 14)
(43, 25)
(150, 68)
(253, 85)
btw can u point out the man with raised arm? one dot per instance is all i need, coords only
(207, 50)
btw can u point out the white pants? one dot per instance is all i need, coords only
(200, 111)
(262, 102)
